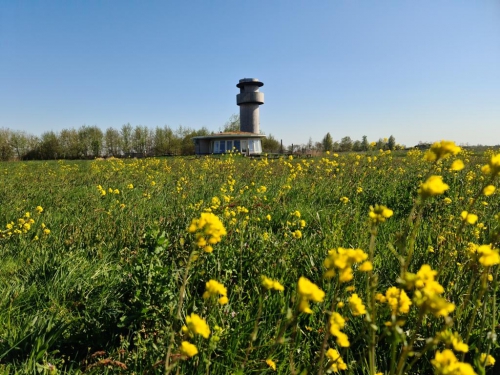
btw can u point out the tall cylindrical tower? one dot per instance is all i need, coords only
(249, 100)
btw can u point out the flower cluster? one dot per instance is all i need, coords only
(342, 260)
(271, 284)
(379, 213)
(441, 150)
(397, 299)
(433, 186)
(196, 325)
(454, 340)
(428, 292)
(214, 288)
(308, 291)
(493, 166)
(337, 323)
(209, 230)
(445, 363)
(356, 305)
(336, 361)
(487, 255)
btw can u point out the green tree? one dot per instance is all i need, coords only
(391, 143)
(346, 144)
(365, 146)
(270, 144)
(233, 124)
(327, 142)
(112, 142)
(5, 148)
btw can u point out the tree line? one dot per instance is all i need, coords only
(90, 142)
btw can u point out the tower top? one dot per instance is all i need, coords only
(249, 81)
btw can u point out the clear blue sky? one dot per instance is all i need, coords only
(418, 70)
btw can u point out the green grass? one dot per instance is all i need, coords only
(106, 279)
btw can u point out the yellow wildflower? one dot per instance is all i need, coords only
(366, 266)
(188, 349)
(196, 325)
(308, 291)
(209, 230)
(271, 364)
(489, 190)
(470, 218)
(457, 165)
(489, 257)
(398, 300)
(493, 166)
(271, 284)
(441, 150)
(214, 288)
(337, 323)
(336, 360)
(356, 305)
(433, 186)
(487, 359)
(344, 200)
(379, 213)
(39, 209)
(445, 363)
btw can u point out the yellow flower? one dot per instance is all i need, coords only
(356, 305)
(209, 230)
(433, 186)
(46, 231)
(308, 291)
(453, 339)
(398, 300)
(445, 363)
(188, 349)
(489, 257)
(297, 234)
(447, 200)
(214, 288)
(336, 360)
(268, 217)
(379, 213)
(441, 150)
(493, 166)
(271, 284)
(344, 200)
(470, 218)
(39, 209)
(457, 165)
(489, 190)
(366, 266)
(337, 323)
(296, 214)
(487, 359)
(196, 325)
(271, 364)
(130, 186)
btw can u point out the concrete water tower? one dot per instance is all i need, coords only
(249, 100)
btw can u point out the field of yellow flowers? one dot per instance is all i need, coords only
(373, 263)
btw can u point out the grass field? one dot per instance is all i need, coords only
(106, 265)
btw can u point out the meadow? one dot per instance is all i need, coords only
(370, 263)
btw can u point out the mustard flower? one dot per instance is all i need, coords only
(441, 150)
(344, 200)
(469, 218)
(379, 213)
(308, 291)
(398, 300)
(214, 288)
(356, 305)
(433, 186)
(493, 166)
(39, 209)
(271, 364)
(188, 349)
(445, 363)
(489, 257)
(447, 200)
(271, 284)
(336, 362)
(489, 190)
(196, 325)
(209, 230)
(337, 323)
(453, 339)
(297, 234)
(487, 359)
(366, 266)
(457, 165)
